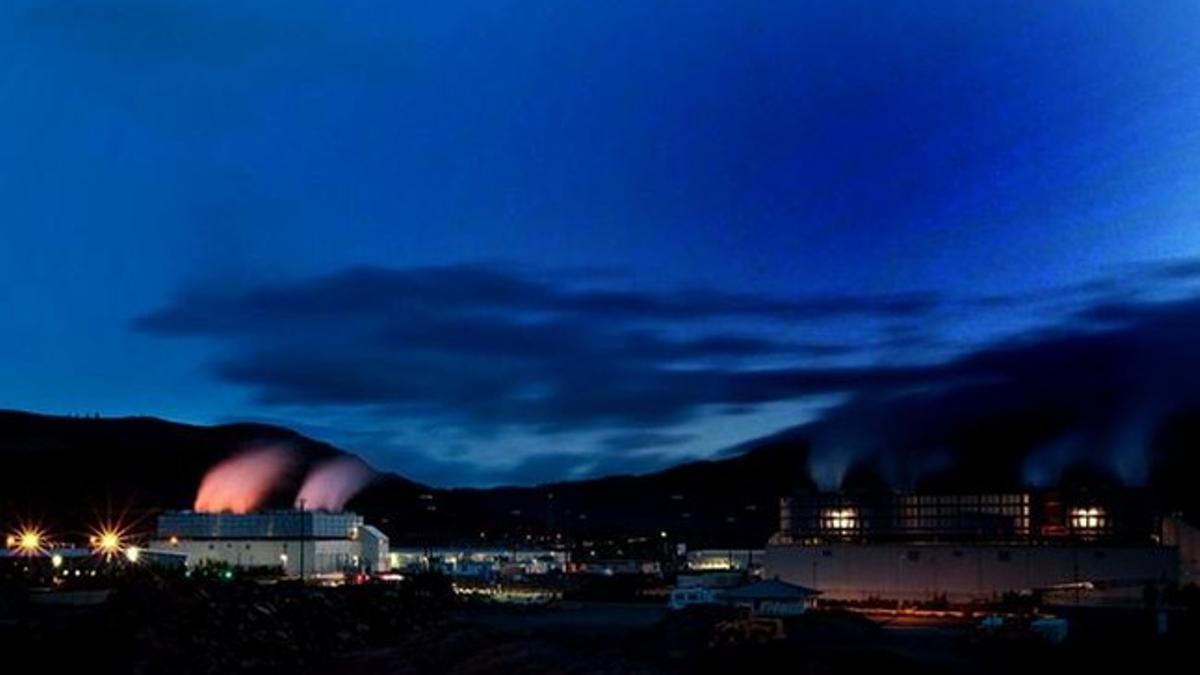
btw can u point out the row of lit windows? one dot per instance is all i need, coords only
(1001, 556)
(844, 519)
(941, 511)
(964, 499)
(962, 518)
(963, 508)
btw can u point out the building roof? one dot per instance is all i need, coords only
(770, 589)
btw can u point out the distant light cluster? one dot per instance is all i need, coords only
(107, 540)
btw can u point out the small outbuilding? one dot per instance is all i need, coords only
(771, 597)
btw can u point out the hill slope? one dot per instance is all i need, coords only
(66, 471)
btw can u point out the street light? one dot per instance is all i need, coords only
(29, 541)
(107, 542)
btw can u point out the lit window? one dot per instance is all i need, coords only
(839, 519)
(1089, 518)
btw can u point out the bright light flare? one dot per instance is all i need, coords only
(28, 541)
(109, 541)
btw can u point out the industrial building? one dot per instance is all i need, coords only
(721, 559)
(299, 543)
(768, 598)
(482, 563)
(966, 547)
(1118, 516)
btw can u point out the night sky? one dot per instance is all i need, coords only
(511, 242)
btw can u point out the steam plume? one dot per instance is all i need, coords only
(241, 483)
(331, 484)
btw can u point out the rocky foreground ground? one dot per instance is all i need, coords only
(156, 624)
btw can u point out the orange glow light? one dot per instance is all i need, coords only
(109, 540)
(28, 541)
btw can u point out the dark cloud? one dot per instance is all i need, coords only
(1080, 292)
(389, 294)
(485, 348)
(1186, 269)
(555, 467)
(539, 468)
(642, 440)
(1094, 392)
(492, 346)
(1124, 312)
(572, 387)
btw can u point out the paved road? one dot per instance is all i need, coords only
(590, 617)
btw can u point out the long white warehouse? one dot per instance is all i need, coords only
(296, 542)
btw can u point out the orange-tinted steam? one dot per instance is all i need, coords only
(329, 486)
(241, 483)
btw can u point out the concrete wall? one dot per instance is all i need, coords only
(319, 556)
(961, 573)
(374, 546)
(1184, 536)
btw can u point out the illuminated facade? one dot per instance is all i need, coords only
(996, 517)
(478, 562)
(967, 547)
(295, 542)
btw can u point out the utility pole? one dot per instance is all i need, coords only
(302, 533)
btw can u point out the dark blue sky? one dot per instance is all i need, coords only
(484, 242)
